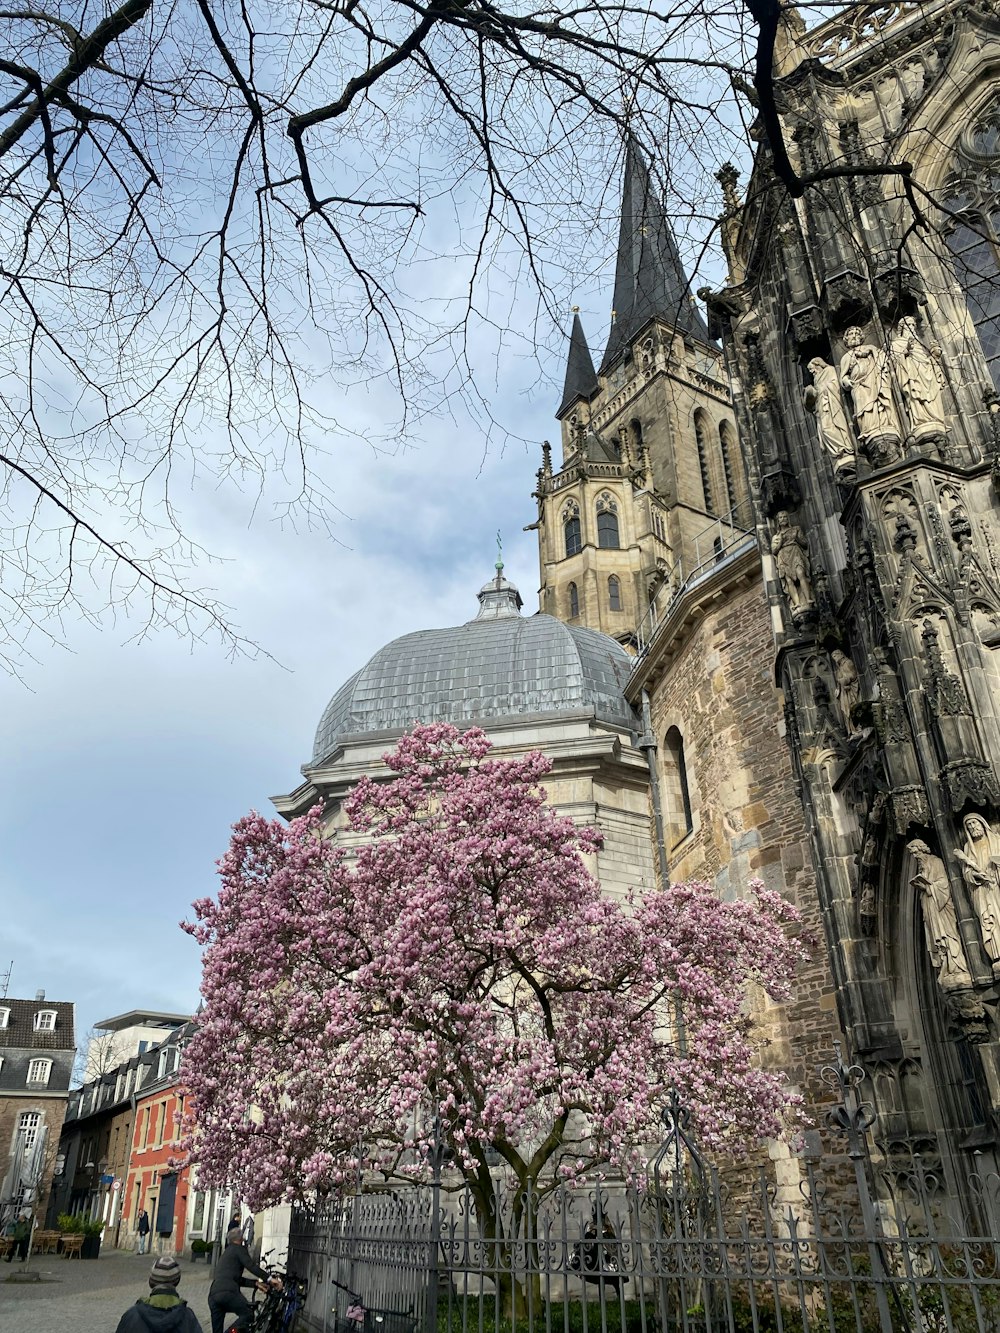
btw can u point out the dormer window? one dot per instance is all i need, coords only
(45, 1020)
(4, 1017)
(169, 1060)
(39, 1071)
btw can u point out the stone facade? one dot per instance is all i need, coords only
(860, 336)
(654, 430)
(37, 1049)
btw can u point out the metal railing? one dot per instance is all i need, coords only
(722, 541)
(845, 1249)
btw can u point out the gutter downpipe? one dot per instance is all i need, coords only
(647, 743)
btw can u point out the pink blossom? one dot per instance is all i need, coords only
(463, 964)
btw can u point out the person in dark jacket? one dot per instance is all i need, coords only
(224, 1295)
(162, 1311)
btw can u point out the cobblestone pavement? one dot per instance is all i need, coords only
(89, 1296)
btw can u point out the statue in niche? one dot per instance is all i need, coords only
(791, 556)
(940, 920)
(864, 370)
(918, 372)
(980, 858)
(848, 688)
(823, 398)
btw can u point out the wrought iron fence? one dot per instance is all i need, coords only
(831, 1252)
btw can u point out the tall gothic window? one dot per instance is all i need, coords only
(607, 522)
(730, 464)
(614, 593)
(571, 531)
(702, 443)
(678, 792)
(574, 602)
(974, 239)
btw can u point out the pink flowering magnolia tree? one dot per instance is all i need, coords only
(461, 973)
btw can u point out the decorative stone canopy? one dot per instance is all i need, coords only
(494, 667)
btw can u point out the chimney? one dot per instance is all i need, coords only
(39, 995)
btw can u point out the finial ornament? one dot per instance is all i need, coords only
(499, 552)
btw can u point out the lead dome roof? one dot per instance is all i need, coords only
(498, 665)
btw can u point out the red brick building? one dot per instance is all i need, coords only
(153, 1182)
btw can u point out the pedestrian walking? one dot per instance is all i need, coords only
(163, 1310)
(224, 1295)
(142, 1227)
(20, 1233)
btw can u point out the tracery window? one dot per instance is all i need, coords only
(607, 522)
(571, 530)
(574, 602)
(973, 191)
(614, 593)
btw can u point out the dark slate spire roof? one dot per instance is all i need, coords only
(581, 377)
(649, 279)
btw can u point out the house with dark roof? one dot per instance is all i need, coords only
(37, 1049)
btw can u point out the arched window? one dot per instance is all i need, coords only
(702, 443)
(607, 522)
(28, 1125)
(676, 789)
(574, 601)
(614, 593)
(571, 530)
(635, 430)
(974, 240)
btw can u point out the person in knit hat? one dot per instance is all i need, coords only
(162, 1311)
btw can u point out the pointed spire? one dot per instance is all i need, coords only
(581, 377)
(649, 278)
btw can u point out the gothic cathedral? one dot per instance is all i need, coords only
(798, 536)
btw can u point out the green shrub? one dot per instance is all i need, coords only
(78, 1224)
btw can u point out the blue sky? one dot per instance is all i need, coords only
(125, 764)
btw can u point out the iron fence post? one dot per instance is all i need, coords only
(853, 1118)
(438, 1155)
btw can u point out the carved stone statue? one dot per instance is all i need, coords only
(940, 920)
(791, 556)
(823, 398)
(918, 372)
(848, 686)
(864, 370)
(980, 858)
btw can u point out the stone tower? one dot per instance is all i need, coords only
(863, 338)
(649, 481)
(650, 498)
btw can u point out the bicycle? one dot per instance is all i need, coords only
(360, 1318)
(279, 1310)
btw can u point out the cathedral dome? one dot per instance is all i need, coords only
(497, 666)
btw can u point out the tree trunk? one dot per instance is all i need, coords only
(510, 1240)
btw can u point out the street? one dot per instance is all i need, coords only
(89, 1296)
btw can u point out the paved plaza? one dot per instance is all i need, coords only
(88, 1296)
